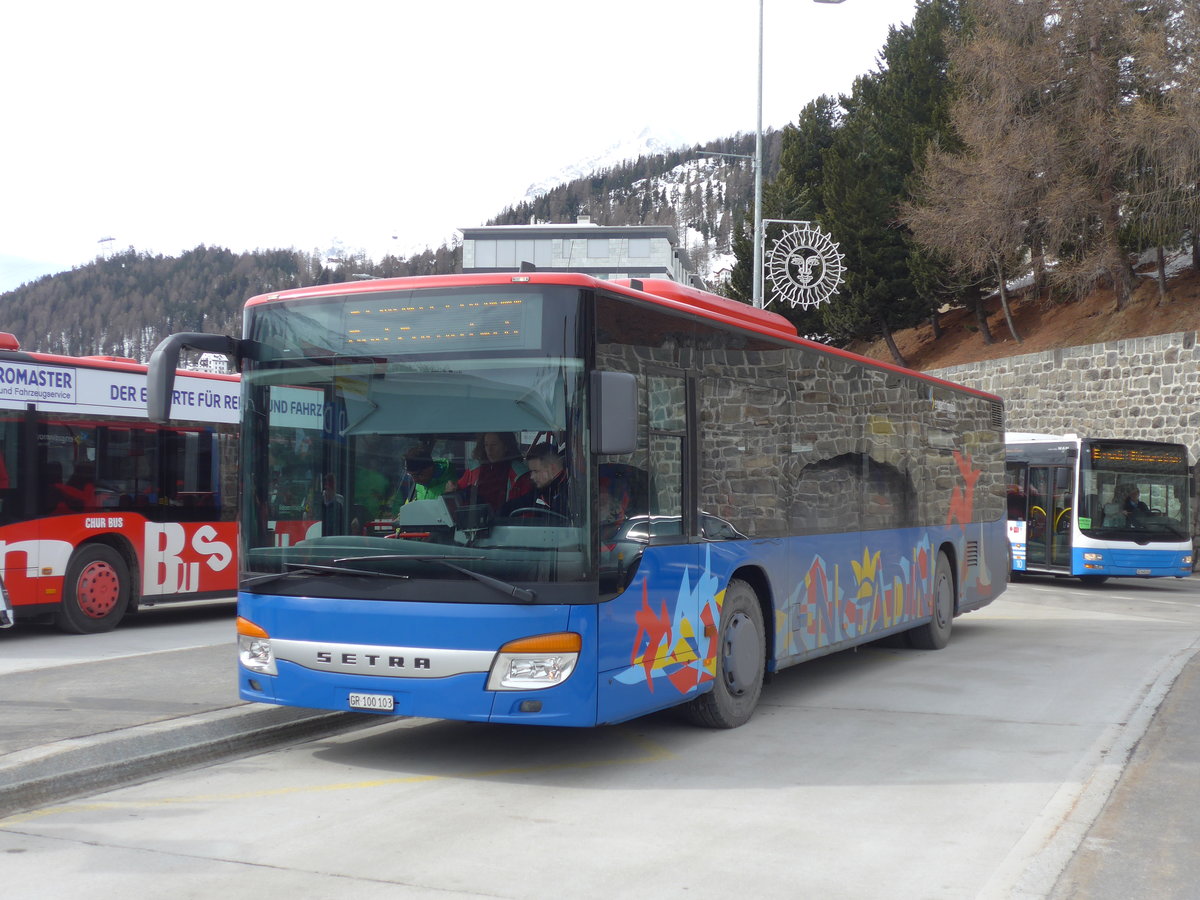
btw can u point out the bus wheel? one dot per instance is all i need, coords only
(95, 591)
(935, 634)
(741, 658)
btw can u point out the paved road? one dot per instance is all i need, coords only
(28, 647)
(996, 768)
(85, 712)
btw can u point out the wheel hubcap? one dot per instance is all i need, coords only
(97, 590)
(741, 654)
(945, 601)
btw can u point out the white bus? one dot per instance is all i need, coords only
(1098, 508)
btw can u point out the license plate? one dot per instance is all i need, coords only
(1143, 571)
(384, 702)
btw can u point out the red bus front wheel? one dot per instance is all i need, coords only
(95, 591)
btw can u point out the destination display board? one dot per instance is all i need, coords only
(1137, 457)
(105, 392)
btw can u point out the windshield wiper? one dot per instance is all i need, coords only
(317, 569)
(509, 590)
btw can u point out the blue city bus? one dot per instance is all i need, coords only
(1098, 508)
(727, 499)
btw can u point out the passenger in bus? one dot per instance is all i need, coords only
(431, 477)
(551, 485)
(500, 474)
(370, 491)
(333, 507)
(79, 492)
(75, 494)
(1016, 502)
(615, 500)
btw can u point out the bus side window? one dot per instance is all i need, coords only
(1017, 503)
(667, 421)
(51, 487)
(10, 497)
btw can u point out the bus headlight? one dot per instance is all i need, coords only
(254, 648)
(534, 663)
(1187, 559)
(1094, 557)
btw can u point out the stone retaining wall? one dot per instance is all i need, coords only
(1146, 388)
(1136, 388)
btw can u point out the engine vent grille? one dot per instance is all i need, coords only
(972, 554)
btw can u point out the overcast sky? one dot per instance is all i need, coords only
(382, 125)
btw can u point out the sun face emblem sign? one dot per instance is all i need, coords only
(805, 267)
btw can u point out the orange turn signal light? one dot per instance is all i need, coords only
(249, 629)
(560, 642)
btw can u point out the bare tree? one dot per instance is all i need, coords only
(1061, 110)
(978, 204)
(1164, 139)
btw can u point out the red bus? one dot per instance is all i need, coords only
(101, 510)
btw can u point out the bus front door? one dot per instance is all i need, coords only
(1049, 526)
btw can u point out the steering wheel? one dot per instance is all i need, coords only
(538, 510)
(1155, 512)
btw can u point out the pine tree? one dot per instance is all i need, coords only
(890, 118)
(794, 194)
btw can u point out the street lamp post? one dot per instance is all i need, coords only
(757, 291)
(758, 168)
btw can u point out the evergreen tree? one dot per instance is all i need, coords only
(890, 118)
(877, 295)
(794, 195)
(741, 279)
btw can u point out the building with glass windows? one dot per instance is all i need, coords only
(602, 251)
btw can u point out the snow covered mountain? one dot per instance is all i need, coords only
(651, 179)
(645, 143)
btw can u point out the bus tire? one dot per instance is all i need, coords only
(95, 591)
(741, 663)
(935, 634)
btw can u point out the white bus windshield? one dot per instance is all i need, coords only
(1139, 491)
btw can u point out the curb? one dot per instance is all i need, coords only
(65, 769)
(1036, 863)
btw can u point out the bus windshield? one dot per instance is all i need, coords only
(392, 443)
(1140, 490)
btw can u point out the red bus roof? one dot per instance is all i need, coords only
(660, 292)
(111, 363)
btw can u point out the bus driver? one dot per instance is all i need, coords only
(550, 483)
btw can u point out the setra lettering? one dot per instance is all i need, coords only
(372, 660)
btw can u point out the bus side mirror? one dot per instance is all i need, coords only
(160, 378)
(614, 412)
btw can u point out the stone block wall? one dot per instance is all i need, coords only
(1147, 388)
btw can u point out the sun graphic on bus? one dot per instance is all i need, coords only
(805, 267)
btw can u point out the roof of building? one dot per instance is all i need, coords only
(580, 228)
